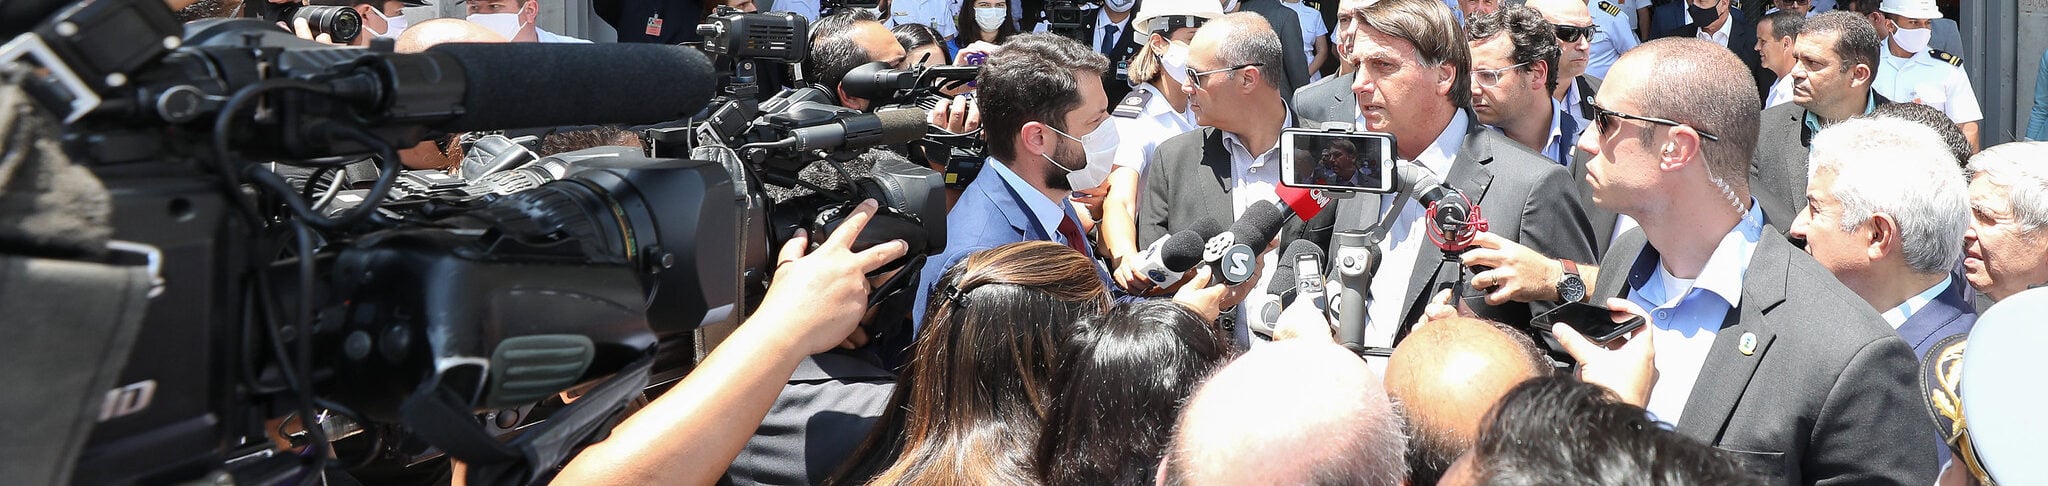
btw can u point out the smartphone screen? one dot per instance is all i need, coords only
(1592, 321)
(1338, 161)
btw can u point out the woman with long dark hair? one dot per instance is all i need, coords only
(974, 395)
(1120, 385)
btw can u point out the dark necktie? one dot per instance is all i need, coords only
(1072, 233)
(1569, 129)
(1108, 38)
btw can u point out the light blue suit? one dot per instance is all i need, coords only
(995, 210)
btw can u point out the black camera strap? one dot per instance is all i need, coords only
(444, 419)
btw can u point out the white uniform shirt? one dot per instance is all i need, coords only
(1312, 28)
(1139, 137)
(1923, 79)
(1616, 36)
(937, 14)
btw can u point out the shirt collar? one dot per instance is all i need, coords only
(1722, 276)
(1813, 121)
(1237, 146)
(1897, 315)
(1102, 20)
(1045, 211)
(1444, 150)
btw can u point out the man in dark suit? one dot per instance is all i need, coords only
(1205, 179)
(1330, 99)
(1889, 209)
(1758, 349)
(1424, 104)
(1110, 34)
(1839, 52)
(1293, 71)
(1713, 20)
(1034, 143)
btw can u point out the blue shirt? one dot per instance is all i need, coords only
(1685, 315)
(2037, 124)
(1813, 121)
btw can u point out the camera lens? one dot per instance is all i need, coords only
(341, 24)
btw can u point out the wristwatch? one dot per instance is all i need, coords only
(1571, 288)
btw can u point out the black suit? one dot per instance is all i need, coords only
(1328, 100)
(1777, 175)
(1827, 393)
(1116, 82)
(1741, 41)
(1524, 196)
(1288, 24)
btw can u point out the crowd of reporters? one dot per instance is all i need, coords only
(1804, 256)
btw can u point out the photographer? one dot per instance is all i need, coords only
(847, 40)
(693, 431)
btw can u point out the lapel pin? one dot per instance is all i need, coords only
(1748, 344)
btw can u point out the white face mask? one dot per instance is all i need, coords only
(505, 24)
(1120, 6)
(1101, 146)
(990, 18)
(1175, 62)
(392, 25)
(1912, 40)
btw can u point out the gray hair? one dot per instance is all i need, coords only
(1248, 39)
(2018, 168)
(1903, 169)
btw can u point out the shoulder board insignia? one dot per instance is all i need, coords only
(1610, 8)
(1133, 104)
(1944, 56)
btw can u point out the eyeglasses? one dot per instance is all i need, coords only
(1490, 77)
(1196, 76)
(1572, 33)
(1601, 115)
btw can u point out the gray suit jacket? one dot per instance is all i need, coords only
(1287, 24)
(1187, 187)
(1328, 100)
(1828, 395)
(1524, 197)
(1777, 175)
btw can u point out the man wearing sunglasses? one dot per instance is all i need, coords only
(1914, 72)
(1759, 350)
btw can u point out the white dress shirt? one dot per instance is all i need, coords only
(1781, 92)
(1719, 36)
(1253, 179)
(1404, 240)
(1102, 24)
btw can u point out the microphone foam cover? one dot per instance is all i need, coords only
(1182, 251)
(1258, 225)
(526, 85)
(901, 126)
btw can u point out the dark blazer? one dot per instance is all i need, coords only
(1187, 187)
(1601, 219)
(1288, 24)
(1829, 393)
(1777, 175)
(1327, 100)
(1116, 82)
(1741, 41)
(1947, 315)
(1524, 196)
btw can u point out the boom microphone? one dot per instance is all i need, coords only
(886, 127)
(524, 85)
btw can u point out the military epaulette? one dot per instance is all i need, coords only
(1943, 56)
(1132, 105)
(1610, 8)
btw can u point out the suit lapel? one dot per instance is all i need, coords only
(1011, 204)
(1945, 308)
(1744, 338)
(1469, 174)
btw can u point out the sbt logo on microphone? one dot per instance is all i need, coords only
(1237, 264)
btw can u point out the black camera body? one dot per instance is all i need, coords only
(340, 22)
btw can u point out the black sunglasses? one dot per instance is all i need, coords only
(1602, 114)
(1196, 76)
(1570, 33)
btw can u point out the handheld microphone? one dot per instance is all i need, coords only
(1300, 202)
(1235, 253)
(1167, 260)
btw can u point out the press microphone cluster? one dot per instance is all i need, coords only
(1170, 258)
(1235, 253)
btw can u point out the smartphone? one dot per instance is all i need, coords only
(1337, 161)
(1592, 321)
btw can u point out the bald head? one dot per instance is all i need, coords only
(1720, 100)
(1446, 375)
(1574, 56)
(435, 32)
(1292, 412)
